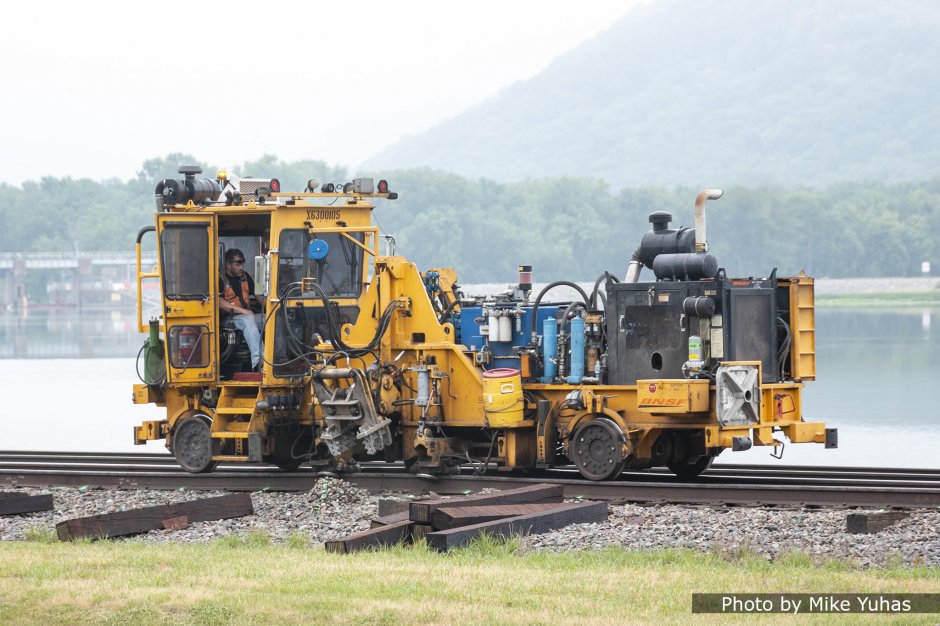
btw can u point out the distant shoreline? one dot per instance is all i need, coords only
(875, 286)
(877, 292)
(919, 289)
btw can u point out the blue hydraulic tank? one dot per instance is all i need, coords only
(577, 351)
(503, 353)
(549, 349)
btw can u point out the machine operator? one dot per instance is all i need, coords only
(238, 300)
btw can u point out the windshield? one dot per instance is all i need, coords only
(337, 267)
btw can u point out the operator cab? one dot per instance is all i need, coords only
(250, 234)
(309, 255)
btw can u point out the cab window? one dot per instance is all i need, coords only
(337, 267)
(184, 251)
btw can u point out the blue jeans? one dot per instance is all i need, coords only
(250, 325)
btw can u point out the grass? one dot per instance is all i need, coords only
(251, 581)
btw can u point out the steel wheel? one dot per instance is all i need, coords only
(192, 445)
(685, 470)
(291, 452)
(596, 449)
(288, 465)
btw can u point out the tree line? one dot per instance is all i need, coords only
(567, 228)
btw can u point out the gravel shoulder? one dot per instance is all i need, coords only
(334, 508)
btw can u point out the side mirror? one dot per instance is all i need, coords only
(262, 274)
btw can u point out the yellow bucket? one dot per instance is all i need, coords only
(502, 397)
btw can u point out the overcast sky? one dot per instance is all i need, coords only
(93, 89)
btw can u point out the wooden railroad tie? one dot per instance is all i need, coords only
(376, 537)
(453, 522)
(423, 512)
(533, 523)
(15, 503)
(860, 523)
(394, 518)
(449, 517)
(387, 506)
(169, 516)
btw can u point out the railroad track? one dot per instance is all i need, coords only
(722, 484)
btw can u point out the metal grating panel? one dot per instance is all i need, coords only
(248, 186)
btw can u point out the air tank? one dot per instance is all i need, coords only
(577, 351)
(685, 266)
(549, 347)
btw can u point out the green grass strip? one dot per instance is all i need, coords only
(252, 581)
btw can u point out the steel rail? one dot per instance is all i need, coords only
(779, 477)
(638, 492)
(815, 471)
(161, 472)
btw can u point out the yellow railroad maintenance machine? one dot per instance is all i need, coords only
(367, 358)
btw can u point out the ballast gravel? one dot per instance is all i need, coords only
(334, 508)
(767, 532)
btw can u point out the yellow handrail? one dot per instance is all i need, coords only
(140, 300)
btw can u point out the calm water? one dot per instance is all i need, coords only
(66, 382)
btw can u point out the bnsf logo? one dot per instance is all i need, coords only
(663, 401)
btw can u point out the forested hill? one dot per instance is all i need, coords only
(566, 227)
(716, 92)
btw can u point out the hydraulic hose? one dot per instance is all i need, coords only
(333, 325)
(449, 310)
(571, 307)
(538, 300)
(597, 284)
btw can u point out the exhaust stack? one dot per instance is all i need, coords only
(701, 242)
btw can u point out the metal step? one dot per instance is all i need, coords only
(230, 435)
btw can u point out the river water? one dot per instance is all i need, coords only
(66, 380)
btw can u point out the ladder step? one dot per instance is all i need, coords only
(230, 435)
(229, 457)
(237, 402)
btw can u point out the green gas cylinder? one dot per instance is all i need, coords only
(154, 356)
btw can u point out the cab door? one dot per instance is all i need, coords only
(188, 268)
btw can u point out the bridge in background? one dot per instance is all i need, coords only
(85, 277)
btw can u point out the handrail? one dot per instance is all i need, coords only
(140, 277)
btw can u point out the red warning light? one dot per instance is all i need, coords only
(383, 186)
(275, 185)
(652, 388)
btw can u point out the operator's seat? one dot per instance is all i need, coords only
(234, 354)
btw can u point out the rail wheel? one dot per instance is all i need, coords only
(291, 452)
(596, 447)
(686, 470)
(192, 445)
(287, 464)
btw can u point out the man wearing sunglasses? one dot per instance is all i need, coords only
(238, 300)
